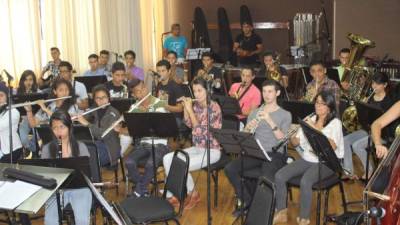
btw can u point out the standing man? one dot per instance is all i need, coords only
(248, 45)
(176, 43)
(52, 69)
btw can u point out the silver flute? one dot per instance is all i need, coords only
(91, 110)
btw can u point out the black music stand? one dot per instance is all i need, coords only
(122, 104)
(91, 81)
(298, 109)
(242, 143)
(152, 125)
(76, 180)
(28, 98)
(333, 74)
(229, 105)
(306, 75)
(367, 114)
(82, 133)
(45, 133)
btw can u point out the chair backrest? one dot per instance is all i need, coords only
(262, 207)
(177, 176)
(94, 162)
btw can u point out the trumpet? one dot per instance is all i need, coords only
(121, 118)
(92, 110)
(290, 133)
(37, 101)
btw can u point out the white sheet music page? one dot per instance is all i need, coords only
(12, 194)
(263, 150)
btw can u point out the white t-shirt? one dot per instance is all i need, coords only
(333, 131)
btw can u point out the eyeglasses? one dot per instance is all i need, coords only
(320, 103)
(101, 97)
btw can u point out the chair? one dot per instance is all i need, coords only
(144, 210)
(326, 185)
(262, 208)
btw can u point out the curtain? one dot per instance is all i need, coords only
(20, 37)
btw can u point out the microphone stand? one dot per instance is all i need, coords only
(9, 79)
(208, 146)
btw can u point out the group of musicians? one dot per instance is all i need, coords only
(260, 114)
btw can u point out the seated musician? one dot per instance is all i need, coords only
(94, 70)
(358, 140)
(247, 45)
(60, 88)
(116, 86)
(344, 56)
(108, 147)
(79, 198)
(104, 57)
(269, 123)
(177, 73)
(307, 166)
(79, 88)
(143, 149)
(27, 85)
(246, 93)
(52, 68)
(385, 120)
(269, 65)
(195, 117)
(320, 82)
(211, 73)
(132, 71)
(5, 156)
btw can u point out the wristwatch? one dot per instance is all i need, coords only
(275, 128)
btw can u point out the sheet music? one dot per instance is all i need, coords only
(263, 150)
(103, 202)
(12, 194)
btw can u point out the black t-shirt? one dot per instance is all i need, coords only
(248, 44)
(172, 90)
(115, 91)
(384, 104)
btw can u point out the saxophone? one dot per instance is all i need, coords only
(275, 74)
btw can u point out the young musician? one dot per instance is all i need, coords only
(109, 147)
(344, 56)
(387, 118)
(247, 45)
(195, 117)
(132, 71)
(358, 140)
(246, 93)
(320, 82)
(79, 88)
(60, 88)
(51, 67)
(307, 166)
(5, 156)
(177, 73)
(104, 57)
(211, 73)
(269, 123)
(80, 198)
(143, 149)
(27, 85)
(269, 66)
(176, 42)
(116, 86)
(94, 70)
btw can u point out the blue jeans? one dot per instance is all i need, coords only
(81, 202)
(102, 150)
(24, 130)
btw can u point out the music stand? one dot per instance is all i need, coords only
(333, 74)
(82, 133)
(229, 105)
(242, 143)
(306, 75)
(196, 53)
(162, 125)
(45, 133)
(91, 81)
(28, 98)
(298, 109)
(367, 114)
(122, 104)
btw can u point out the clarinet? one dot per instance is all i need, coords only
(59, 144)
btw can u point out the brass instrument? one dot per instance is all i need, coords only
(350, 117)
(275, 74)
(311, 93)
(91, 110)
(355, 74)
(242, 85)
(37, 101)
(121, 118)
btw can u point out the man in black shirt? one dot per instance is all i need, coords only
(168, 89)
(211, 73)
(116, 86)
(247, 45)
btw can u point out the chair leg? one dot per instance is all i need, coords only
(326, 206)
(121, 162)
(344, 202)
(318, 208)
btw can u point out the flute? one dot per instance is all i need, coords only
(121, 118)
(91, 110)
(36, 102)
